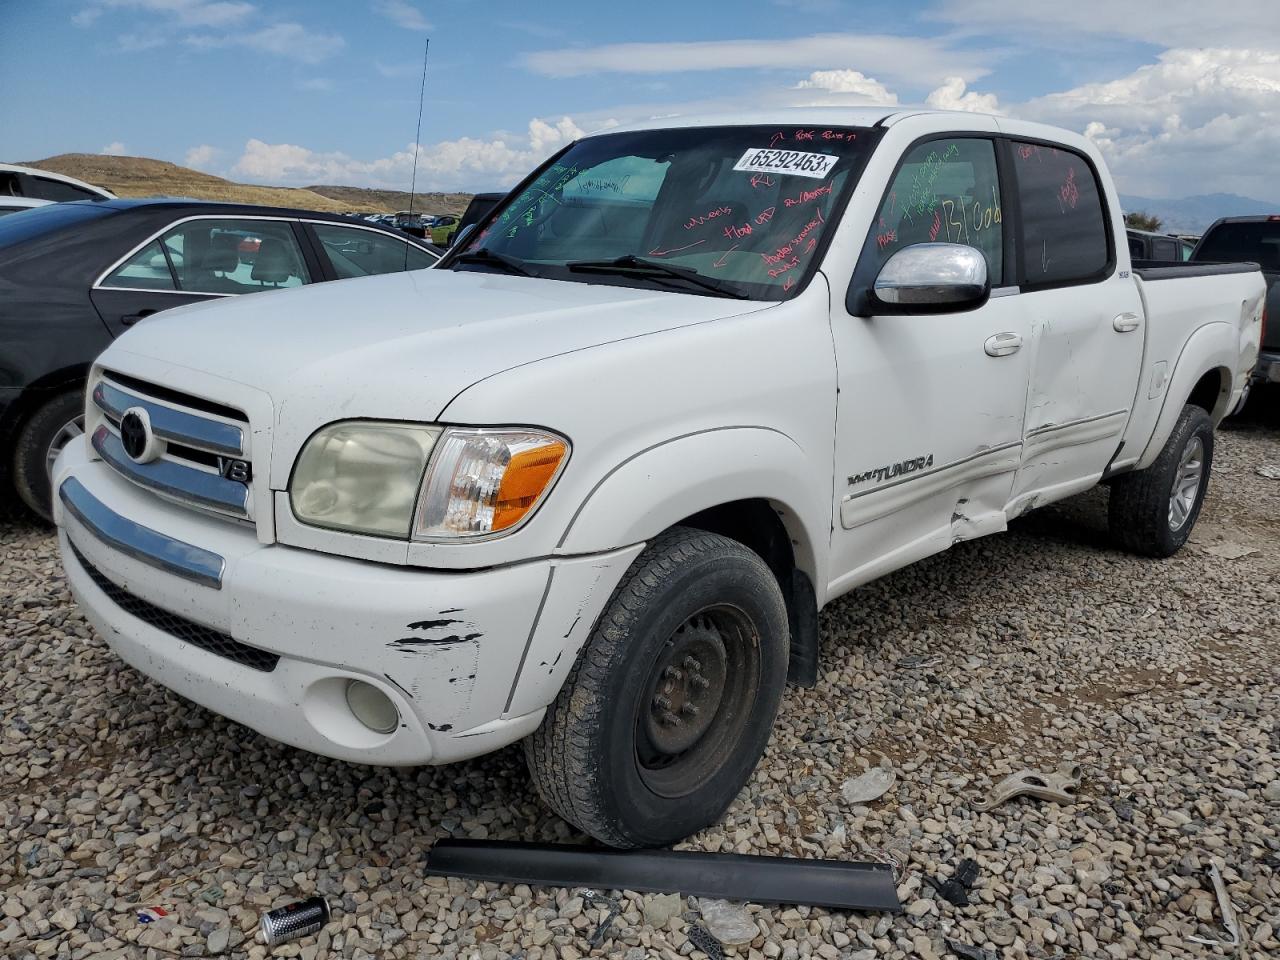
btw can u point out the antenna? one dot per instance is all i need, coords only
(413, 182)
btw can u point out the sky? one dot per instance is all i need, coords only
(1182, 96)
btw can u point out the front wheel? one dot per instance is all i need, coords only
(40, 440)
(670, 704)
(1152, 511)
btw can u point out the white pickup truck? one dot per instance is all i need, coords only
(589, 482)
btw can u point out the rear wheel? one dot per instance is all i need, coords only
(1153, 511)
(55, 424)
(671, 702)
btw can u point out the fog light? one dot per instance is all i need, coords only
(372, 707)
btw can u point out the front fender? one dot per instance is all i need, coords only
(662, 485)
(1215, 346)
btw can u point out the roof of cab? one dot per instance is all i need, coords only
(831, 116)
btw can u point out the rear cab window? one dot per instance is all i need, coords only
(50, 219)
(1246, 241)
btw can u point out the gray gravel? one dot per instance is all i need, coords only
(1043, 645)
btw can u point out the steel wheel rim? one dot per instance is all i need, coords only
(1186, 483)
(68, 432)
(675, 759)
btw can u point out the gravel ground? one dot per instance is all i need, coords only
(1158, 678)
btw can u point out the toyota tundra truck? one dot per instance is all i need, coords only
(588, 482)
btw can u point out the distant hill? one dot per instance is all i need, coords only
(1194, 214)
(144, 177)
(364, 199)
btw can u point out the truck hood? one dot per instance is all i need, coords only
(400, 346)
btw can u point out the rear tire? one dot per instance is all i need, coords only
(1153, 511)
(670, 704)
(58, 422)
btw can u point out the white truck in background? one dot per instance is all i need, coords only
(589, 482)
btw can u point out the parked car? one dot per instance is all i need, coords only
(589, 482)
(1256, 240)
(443, 229)
(17, 204)
(75, 275)
(1145, 245)
(476, 211)
(36, 184)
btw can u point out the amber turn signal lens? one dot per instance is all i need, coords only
(527, 476)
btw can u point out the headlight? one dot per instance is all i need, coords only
(362, 476)
(482, 482)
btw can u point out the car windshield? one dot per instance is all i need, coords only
(1256, 241)
(741, 211)
(39, 221)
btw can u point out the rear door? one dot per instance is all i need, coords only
(1087, 324)
(201, 258)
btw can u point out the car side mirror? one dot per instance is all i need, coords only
(932, 278)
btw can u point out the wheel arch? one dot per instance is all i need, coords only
(751, 484)
(1203, 377)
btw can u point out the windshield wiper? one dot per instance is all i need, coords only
(631, 264)
(491, 259)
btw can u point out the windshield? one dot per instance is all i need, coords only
(1256, 241)
(744, 210)
(39, 221)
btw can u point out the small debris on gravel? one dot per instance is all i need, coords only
(872, 785)
(730, 923)
(1160, 677)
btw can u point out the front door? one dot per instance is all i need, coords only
(1087, 326)
(929, 413)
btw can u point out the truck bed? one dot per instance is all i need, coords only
(1150, 270)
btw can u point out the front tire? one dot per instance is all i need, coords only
(55, 424)
(1153, 511)
(670, 705)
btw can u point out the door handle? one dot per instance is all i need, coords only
(1003, 344)
(129, 319)
(1126, 322)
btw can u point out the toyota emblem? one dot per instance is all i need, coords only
(136, 437)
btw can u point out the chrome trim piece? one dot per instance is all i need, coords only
(169, 423)
(182, 484)
(141, 543)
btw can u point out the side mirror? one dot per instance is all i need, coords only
(932, 278)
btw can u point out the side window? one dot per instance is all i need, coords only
(1162, 249)
(946, 191)
(363, 253)
(145, 270)
(46, 188)
(1064, 230)
(235, 256)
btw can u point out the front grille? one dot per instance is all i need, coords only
(206, 638)
(197, 438)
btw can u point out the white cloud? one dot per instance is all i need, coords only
(909, 59)
(113, 149)
(952, 96)
(465, 163)
(288, 39)
(1173, 23)
(849, 81)
(185, 13)
(202, 157)
(1195, 121)
(402, 13)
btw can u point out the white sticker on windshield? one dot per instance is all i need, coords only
(795, 162)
